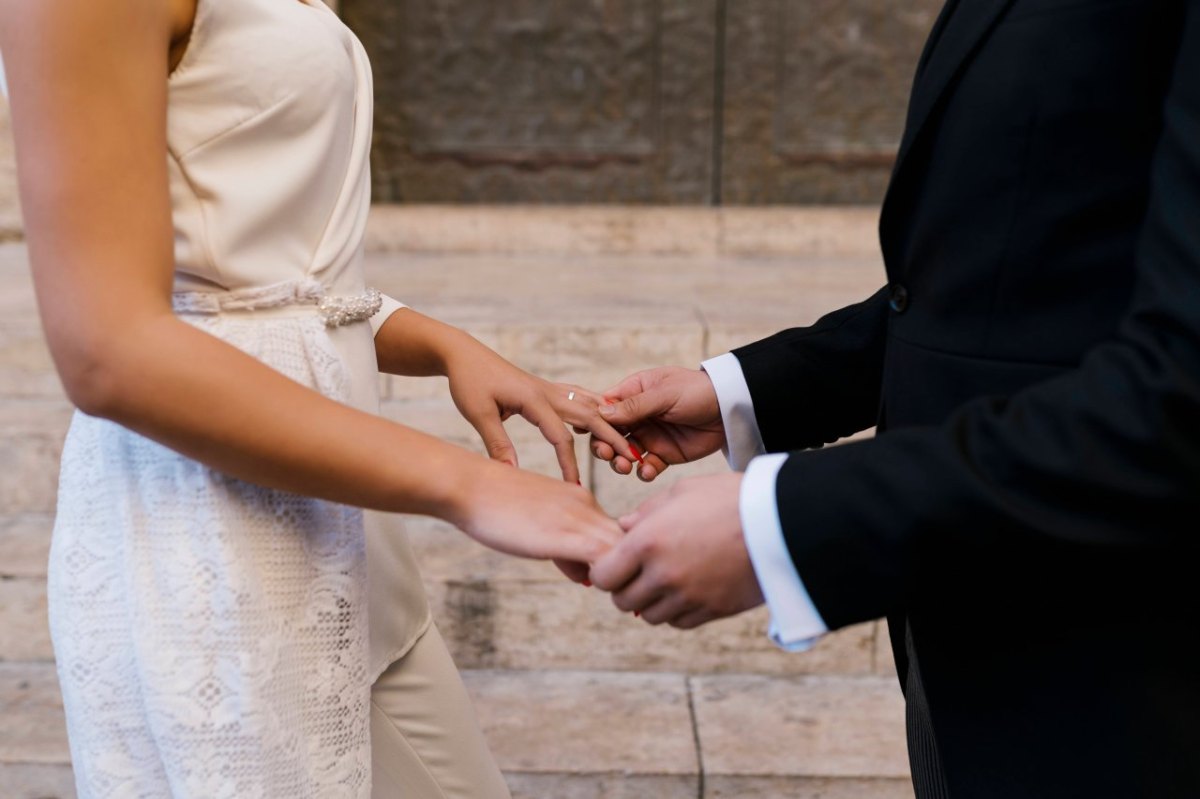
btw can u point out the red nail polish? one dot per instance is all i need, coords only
(637, 614)
(587, 583)
(578, 482)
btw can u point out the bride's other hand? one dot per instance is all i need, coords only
(531, 516)
(488, 390)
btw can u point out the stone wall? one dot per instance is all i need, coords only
(675, 102)
(639, 101)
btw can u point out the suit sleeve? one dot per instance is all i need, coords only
(811, 386)
(1104, 458)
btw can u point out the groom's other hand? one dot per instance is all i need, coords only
(683, 560)
(670, 413)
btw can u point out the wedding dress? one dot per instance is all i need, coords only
(212, 635)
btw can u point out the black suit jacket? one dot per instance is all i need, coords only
(1030, 514)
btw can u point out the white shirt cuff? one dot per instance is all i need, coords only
(795, 623)
(389, 307)
(743, 441)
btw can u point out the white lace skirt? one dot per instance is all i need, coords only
(211, 635)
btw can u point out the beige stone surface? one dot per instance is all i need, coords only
(738, 787)
(26, 369)
(588, 785)
(581, 701)
(31, 435)
(24, 629)
(573, 230)
(24, 545)
(788, 230)
(553, 623)
(37, 781)
(10, 206)
(552, 722)
(777, 294)
(810, 726)
(624, 230)
(17, 306)
(33, 728)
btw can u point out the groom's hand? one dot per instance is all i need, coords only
(683, 560)
(671, 413)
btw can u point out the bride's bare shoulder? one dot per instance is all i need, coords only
(182, 16)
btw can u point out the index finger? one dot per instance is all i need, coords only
(585, 417)
(543, 416)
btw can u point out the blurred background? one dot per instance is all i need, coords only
(591, 187)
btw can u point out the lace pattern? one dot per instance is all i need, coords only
(211, 634)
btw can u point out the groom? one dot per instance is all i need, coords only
(1028, 518)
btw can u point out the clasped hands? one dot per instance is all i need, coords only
(680, 557)
(683, 560)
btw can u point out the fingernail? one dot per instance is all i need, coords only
(637, 614)
(608, 401)
(606, 409)
(587, 583)
(633, 448)
(578, 482)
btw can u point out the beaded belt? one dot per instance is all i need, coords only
(336, 311)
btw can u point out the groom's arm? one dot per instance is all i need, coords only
(813, 385)
(805, 387)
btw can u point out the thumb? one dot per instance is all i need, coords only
(638, 408)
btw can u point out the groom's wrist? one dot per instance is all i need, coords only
(743, 441)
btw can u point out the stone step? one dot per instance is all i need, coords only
(37, 781)
(496, 611)
(601, 735)
(592, 231)
(513, 625)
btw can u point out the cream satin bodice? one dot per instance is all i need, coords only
(269, 134)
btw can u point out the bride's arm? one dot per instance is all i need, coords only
(488, 389)
(88, 84)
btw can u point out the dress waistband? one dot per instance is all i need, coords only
(335, 310)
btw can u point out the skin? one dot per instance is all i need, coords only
(683, 560)
(671, 412)
(90, 130)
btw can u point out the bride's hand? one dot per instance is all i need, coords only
(531, 516)
(488, 390)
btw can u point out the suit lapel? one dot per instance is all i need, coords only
(962, 26)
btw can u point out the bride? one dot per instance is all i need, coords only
(194, 179)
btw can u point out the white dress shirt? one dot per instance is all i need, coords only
(795, 622)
